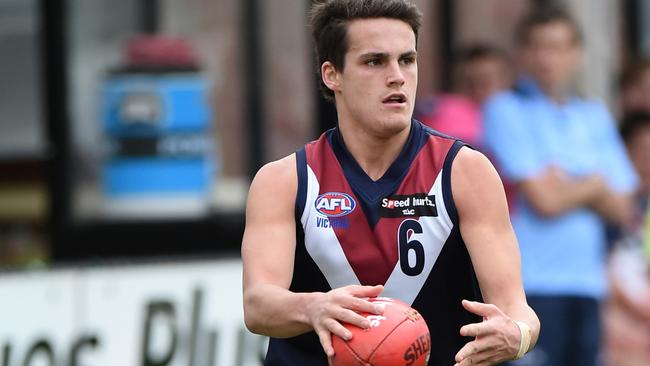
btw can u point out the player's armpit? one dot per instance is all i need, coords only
(486, 230)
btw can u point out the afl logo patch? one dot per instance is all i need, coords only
(335, 204)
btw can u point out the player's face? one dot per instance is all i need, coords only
(376, 89)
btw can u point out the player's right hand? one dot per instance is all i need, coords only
(327, 310)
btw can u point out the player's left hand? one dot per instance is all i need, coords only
(496, 338)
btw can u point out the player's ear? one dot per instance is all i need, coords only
(330, 76)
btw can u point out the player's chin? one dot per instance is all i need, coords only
(396, 123)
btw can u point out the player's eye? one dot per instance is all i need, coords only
(373, 62)
(408, 60)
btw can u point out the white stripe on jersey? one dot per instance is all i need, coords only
(322, 244)
(435, 231)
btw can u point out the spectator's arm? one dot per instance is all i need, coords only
(553, 194)
(514, 147)
(548, 190)
(614, 207)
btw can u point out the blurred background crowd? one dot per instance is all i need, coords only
(130, 129)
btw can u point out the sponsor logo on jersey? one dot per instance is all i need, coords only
(418, 204)
(334, 222)
(335, 204)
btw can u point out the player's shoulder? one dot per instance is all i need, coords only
(273, 190)
(471, 166)
(277, 178)
(472, 157)
(473, 179)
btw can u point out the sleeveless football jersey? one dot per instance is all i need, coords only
(400, 231)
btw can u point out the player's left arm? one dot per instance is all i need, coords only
(486, 229)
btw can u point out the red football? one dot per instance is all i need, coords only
(399, 336)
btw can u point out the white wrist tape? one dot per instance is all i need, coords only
(524, 344)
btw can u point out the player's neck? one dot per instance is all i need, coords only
(373, 154)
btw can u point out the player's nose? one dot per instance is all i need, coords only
(395, 75)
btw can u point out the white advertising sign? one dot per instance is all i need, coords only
(38, 324)
(173, 314)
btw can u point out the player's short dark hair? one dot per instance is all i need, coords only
(545, 14)
(632, 123)
(329, 26)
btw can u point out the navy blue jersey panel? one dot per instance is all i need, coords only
(307, 277)
(298, 350)
(446, 181)
(371, 192)
(433, 132)
(454, 277)
(301, 194)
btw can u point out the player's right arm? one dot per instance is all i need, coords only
(268, 250)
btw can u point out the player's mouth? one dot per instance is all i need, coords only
(395, 100)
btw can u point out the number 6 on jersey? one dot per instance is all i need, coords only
(406, 229)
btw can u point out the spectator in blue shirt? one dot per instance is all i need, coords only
(572, 175)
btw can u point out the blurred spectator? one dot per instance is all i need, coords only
(569, 164)
(451, 114)
(635, 130)
(481, 71)
(635, 87)
(627, 313)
